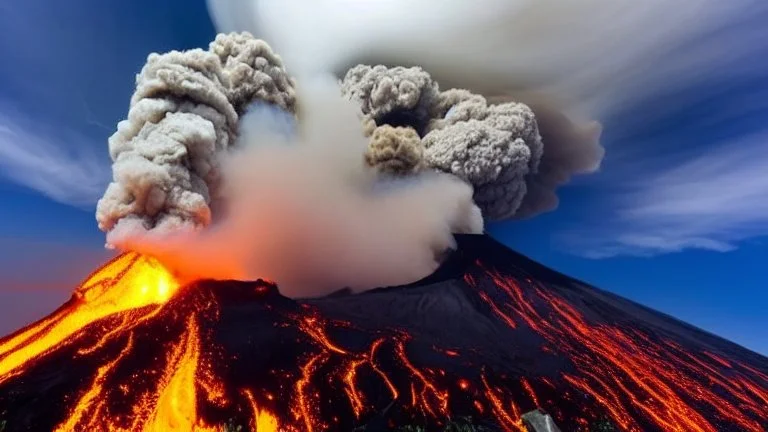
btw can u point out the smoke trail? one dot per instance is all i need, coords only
(307, 212)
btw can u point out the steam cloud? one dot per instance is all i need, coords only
(308, 213)
(224, 172)
(524, 51)
(594, 55)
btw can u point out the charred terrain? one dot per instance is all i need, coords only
(491, 335)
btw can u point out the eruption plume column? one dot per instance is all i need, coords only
(307, 212)
(184, 112)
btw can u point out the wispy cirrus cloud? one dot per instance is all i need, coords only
(60, 163)
(712, 201)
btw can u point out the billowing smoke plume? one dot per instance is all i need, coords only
(185, 112)
(566, 62)
(588, 59)
(496, 148)
(306, 211)
(593, 55)
(224, 172)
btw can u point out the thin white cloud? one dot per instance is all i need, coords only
(711, 202)
(59, 163)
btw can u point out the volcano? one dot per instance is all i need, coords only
(489, 337)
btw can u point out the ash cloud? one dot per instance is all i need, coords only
(500, 50)
(307, 212)
(223, 171)
(184, 112)
(414, 126)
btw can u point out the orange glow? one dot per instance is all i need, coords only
(623, 369)
(171, 407)
(371, 358)
(176, 406)
(315, 328)
(355, 397)
(631, 375)
(529, 390)
(127, 291)
(263, 421)
(463, 384)
(88, 399)
(127, 283)
(510, 420)
(429, 395)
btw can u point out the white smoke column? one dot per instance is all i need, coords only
(308, 213)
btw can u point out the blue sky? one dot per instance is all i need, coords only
(676, 219)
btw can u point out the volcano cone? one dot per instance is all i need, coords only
(491, 335)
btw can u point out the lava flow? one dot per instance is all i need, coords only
(114, 301)
(126, 285)
(490, 339)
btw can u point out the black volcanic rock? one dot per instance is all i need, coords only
(490, 335)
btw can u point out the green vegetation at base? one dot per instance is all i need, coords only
(462, 424)
(230, 426)
(603, 425)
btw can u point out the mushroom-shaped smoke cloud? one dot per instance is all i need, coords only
(496, 148)
(184, 112)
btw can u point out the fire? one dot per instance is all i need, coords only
(128, 283)
(89, 399)
(263, 421)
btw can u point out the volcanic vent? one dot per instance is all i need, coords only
(490, 335)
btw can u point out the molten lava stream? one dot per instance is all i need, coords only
(171, 406)
(263, 421)
(624, 369)
(126, 283)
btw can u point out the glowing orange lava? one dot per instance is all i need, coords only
(639, 379)
(624, 369)
(263, 421)
(133, 289)
(128, 283)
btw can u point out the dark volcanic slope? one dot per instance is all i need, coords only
(490, 335)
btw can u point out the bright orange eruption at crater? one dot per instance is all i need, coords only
(127, 283)
(124, 293)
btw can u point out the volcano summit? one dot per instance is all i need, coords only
(491, 335)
